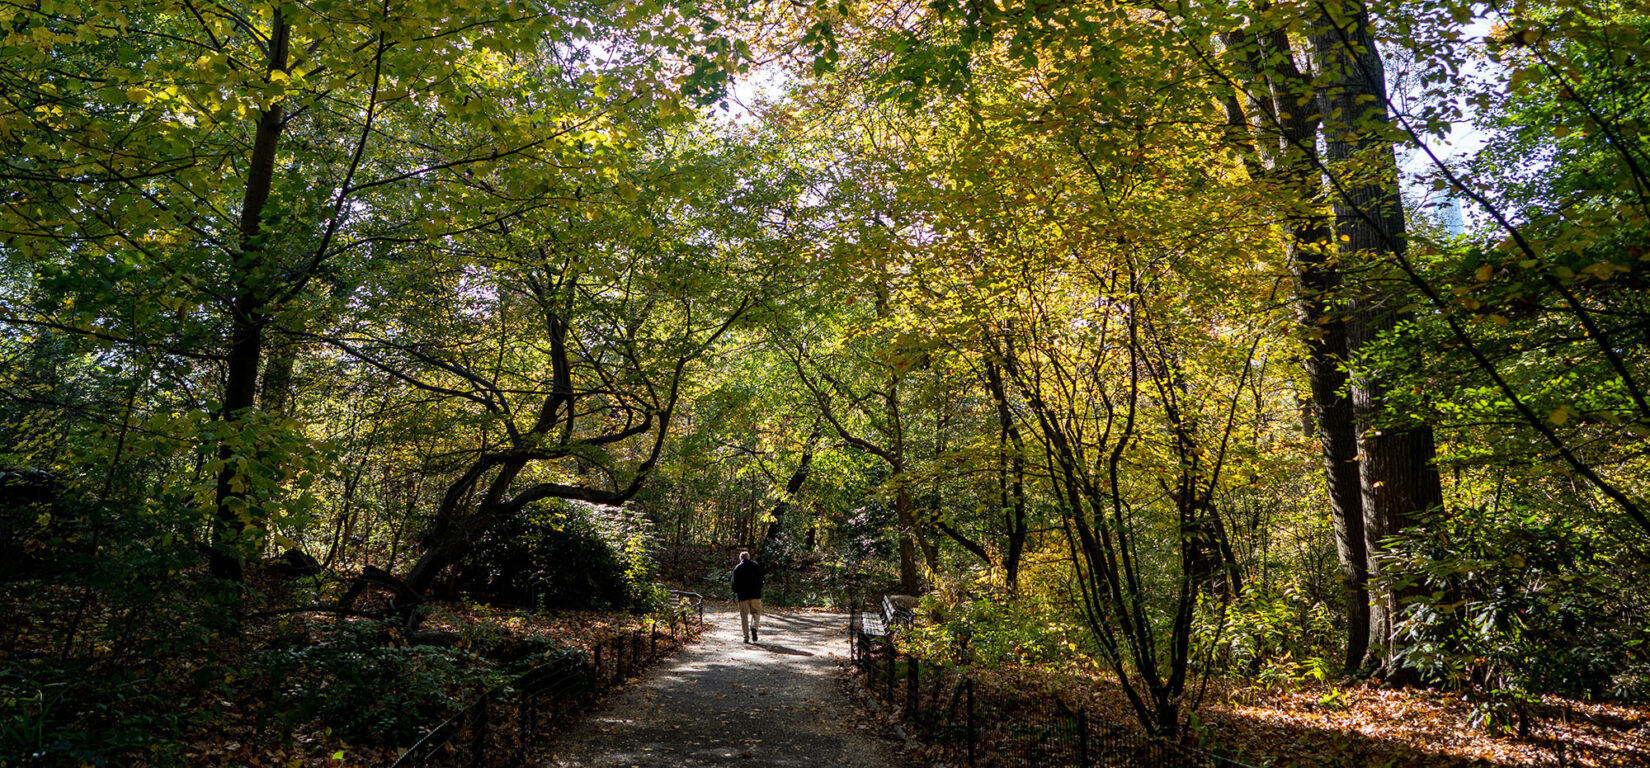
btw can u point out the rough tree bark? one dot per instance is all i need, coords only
(1399, 479)
(1275, 85)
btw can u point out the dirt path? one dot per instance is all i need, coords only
(720, 701)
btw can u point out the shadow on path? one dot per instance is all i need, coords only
(721, 701)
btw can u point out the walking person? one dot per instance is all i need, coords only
(747, 589)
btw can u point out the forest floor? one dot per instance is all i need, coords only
(1361, 725)
(1367, 724)
(777, 702)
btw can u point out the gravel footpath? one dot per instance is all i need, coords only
(778, 702)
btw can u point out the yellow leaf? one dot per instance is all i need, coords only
(1484, 272)
(1559, 415)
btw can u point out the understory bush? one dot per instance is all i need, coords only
(565, 555)
(1513, 603)
(366, 689)
(103, 628)
(973, 619)
(1277, 635)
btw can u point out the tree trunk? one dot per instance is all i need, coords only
(1320, 310)
(793, 486)
(1011, 489)
(910, 580)
(275, 395)
(456, 532)
(1399, 479)
(246, 326)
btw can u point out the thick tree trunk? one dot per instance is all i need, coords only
(1278, 88)
(1322, 319)
(1399, 479)
(240, 396)
(456, 532)
(275, 394)
(910, 579)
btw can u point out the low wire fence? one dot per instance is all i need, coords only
(940, 704)
(503, 726)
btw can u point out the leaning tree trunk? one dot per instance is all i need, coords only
(793, 486)
(457, 528)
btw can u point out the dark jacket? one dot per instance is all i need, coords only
(747, 581)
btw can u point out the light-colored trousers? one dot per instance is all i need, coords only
(750, 615)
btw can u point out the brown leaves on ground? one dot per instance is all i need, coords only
(1312, 726)
(1365, 724)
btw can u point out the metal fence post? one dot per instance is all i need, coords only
(970, 727)
(478, 739)
(913, 691)
(938, 673)
(636, 651)
(853, 621)
(891, 653)
(618, 659)
(596, 665)
(1083, 738)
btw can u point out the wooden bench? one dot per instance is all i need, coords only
(899, 609)
(865, 627)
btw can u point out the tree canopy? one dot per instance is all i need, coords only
(1133, 330)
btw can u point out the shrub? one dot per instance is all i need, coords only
(1514, 603)
(974, 620)
(366, 690)
(564, 556)
(1279, 635)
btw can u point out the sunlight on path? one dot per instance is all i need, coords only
(725, 702)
